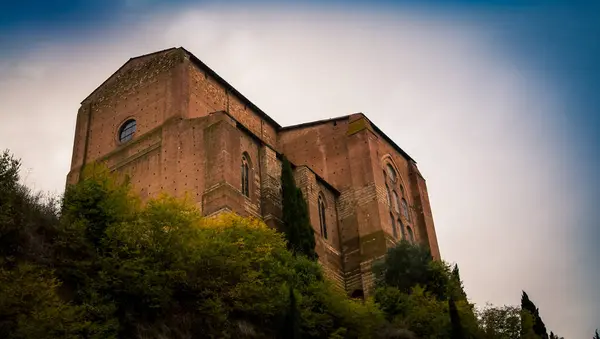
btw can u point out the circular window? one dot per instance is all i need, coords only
(127, 130)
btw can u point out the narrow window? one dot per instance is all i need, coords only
(411, 236)
(127, 130)
(396, 203)
(391, 172)
(387, 192)
(401, 226)
(405, 209)
(245, 176)
(394, 231)
(322, 219)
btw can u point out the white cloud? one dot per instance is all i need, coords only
(480, 126)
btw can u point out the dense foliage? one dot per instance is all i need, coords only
(110, 267)
(422, 295)
(296, 221)
(100, 264)
(500, 322)
(538, 326)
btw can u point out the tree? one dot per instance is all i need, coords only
(419, 312)
(408, 269)
(456, 331)
(296, 221)
(500, 322)
(99, 200)
(291, 326)
(407, 265)
(111, 267)
(160, 263)
(26, 218)
(527, 325)
(456, 285)
(596, 336)
(164, 270)
(30, 306)
(538, 325)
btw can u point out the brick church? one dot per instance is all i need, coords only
(173, 125)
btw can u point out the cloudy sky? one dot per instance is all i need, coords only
(497, 101)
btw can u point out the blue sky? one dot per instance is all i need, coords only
(523, 79)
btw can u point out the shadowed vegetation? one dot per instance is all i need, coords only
(99, 264)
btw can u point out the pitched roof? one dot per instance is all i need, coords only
(123, 66)
(249, 103)
(315, 123)
(230, 88)
(205, 68)
(345, 117)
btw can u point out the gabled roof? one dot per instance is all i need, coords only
(345, 117)
(314, 123)
(230, 88)
(123, 66)
(205, 68)
(249, 103)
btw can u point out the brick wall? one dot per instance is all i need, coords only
(328, 249)
(207, 95)
(192, 131)
(352, 156)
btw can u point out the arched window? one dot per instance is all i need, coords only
(391, 172)
(387, 192)
(405, 209)
(401, 226)
(127, 130)
(245, 176)
(322, 218)
(411, 236)
(396, 203)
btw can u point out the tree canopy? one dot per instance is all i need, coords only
(98, 263)
(538, 326)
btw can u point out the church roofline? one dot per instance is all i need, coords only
(314, 123)
(389, 140)
(120, 68)
(345, 117)
(230, 88)
(278, 154)
(247, 101)
(207, 69)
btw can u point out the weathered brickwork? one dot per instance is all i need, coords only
(193, 129)
(207, 95)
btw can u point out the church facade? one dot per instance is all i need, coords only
(173, 125)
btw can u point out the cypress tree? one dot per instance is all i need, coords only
(296, 221)
(459, 291)
(539, 328)
(456, 330)
(291, 325)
